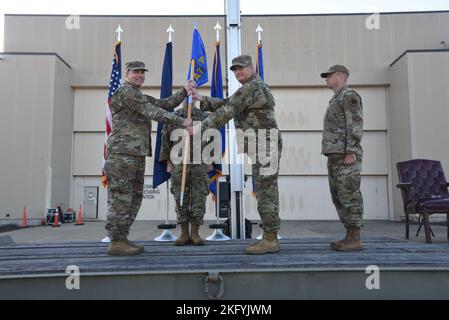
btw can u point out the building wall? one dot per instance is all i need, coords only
(399, 126)
(35, 95)
(429, 104)
(296, 50)
(62, 135)
(418, 112)
(89, 49)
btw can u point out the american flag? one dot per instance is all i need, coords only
(114, 83)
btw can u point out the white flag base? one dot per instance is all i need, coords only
(218, 235)
(165, 236)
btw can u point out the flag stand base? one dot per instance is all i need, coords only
(218, 234)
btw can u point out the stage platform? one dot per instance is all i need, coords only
(305, 268)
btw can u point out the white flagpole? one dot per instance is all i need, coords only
(119, 30)
(233, 25)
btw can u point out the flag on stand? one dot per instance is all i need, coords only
(217, 92)
(114, 83)
(160, 174)
(199, 56)
(198, 61)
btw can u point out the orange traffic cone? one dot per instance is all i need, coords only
(80, 220)
(24, 220)
(56, 223)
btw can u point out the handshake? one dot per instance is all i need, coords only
(190, 88)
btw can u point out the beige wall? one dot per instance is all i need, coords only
(398, 126)
(418, 112)
(89, 49)
(429, 105)
(62, 135)
(35, 132)
(296, 48)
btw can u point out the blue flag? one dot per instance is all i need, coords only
(199, 56)
(259, 70)
(160, 174)
(216, 91)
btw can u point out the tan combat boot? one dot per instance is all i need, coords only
(134, 245)
(269, 243)
(195, 235)
(337, 243)
(351, 242)
(184, 237)
(122, 248)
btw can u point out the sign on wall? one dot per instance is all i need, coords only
(149, 192)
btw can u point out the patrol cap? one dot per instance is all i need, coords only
(241, 61)
(333, 69)
(135, 65)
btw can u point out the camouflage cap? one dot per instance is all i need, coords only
(241, 61)
(135, 65)
(333, 69)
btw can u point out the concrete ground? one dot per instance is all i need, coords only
(147, 230)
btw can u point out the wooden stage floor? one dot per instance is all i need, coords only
(305, 268)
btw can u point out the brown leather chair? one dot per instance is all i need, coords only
(424, 191)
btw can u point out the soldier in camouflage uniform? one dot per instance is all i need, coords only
(252, 107)
(342, 133)
(127, 146)
(197, 182)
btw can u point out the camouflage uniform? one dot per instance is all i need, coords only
(127, 146)
(197, 181)
(252, 107)
(343, 129)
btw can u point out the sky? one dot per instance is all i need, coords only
(209, 7)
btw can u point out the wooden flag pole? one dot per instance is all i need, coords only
(187, 139)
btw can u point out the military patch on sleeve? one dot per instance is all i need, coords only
(238, 93)
(351, 99)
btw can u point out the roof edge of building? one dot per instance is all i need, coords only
(243, 15)
(417, 51)
(18, 53)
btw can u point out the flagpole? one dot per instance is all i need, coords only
(217, 182)
(167, 197)
(165, 92)
(259, 36)
(217, 92)
(119, 30)
(187, 139)
(233, 25)
(170, 30)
